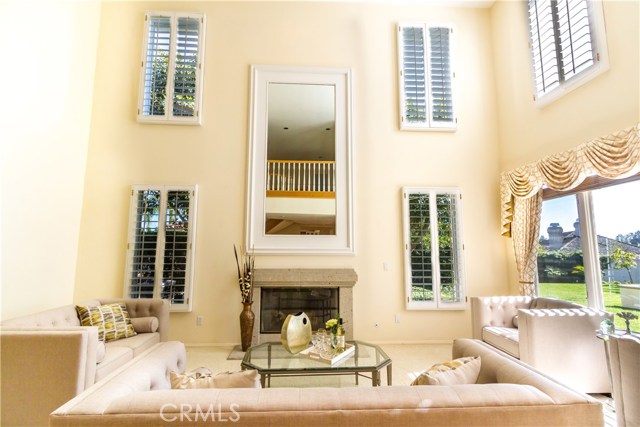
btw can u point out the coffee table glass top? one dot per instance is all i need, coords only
(272, 356)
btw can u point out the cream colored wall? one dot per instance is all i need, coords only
(123, 152)
(608, 103)
(49, 51)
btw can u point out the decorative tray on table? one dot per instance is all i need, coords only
(312, 353)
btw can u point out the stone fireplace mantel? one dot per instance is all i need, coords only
(342, 278)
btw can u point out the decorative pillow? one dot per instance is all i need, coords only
(145, 324)
(112, 320)
(459, 371)
(515, 321)
(203, 378)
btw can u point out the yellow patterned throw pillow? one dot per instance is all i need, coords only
(459, 371)
(112, 320)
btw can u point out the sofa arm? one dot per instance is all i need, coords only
(144, 307)
(42, 369)
(495, 311)
(562, 343)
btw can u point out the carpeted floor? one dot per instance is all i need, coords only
(236, 353)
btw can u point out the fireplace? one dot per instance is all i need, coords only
(319, 304)
(320, 293)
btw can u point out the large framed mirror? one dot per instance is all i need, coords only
(299, 186)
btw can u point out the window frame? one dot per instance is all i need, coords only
(437, 303)
(588, 233)
(160, 247)
(600, 58)
(429, 124)
(169, 117)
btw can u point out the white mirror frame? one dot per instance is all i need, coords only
(256, 239)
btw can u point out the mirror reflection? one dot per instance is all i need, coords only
(300, 196)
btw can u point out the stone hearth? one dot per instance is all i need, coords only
(341, 278)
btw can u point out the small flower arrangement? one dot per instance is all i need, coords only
(332, 325)
(245, 263)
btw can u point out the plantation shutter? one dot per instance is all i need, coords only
(171, 78)
(561, 41)
(414, 75)
(142, 273)
(426, 76)
(441, 76)
(160, 248)
(156, 66)
(186, 64)
(420, 247)
(447, 246)
(433, 249)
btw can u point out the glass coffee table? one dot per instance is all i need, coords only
(272, 360)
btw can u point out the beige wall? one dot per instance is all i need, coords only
(49, 52)
(608, 103)
(123, 152)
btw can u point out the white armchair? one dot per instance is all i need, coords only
(554, 336)
(624, 357)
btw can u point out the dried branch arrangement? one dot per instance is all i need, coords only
(245, 261)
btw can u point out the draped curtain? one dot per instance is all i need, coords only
(613, 156)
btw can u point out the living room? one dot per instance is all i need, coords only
(80, 159)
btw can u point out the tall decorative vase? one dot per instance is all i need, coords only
(246, 325)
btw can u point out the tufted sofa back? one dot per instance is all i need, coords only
(60, 317)
(496, 311)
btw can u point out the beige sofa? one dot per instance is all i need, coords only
(507, 393)
(556, 337)
(48, 358)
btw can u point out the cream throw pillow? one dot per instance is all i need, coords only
(203, 378)
(459, 371)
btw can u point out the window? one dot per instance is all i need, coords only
(434, 273)
(426, 77)
(568, 46)
(160, 247)
(171, 68)
(589, 249)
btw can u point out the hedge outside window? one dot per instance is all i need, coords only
(160, 248)
(171, 68)
(434, 273)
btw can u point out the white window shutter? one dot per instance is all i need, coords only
(156, 66)
(161, 246)
(434, 270)
(441, 76)
(172, 71)
(414, 75)
(426, 77)
(567, 40)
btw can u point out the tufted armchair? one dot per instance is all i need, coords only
(554, 336)
(48, 358)
(624, 357)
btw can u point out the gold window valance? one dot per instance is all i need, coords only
(612, 156)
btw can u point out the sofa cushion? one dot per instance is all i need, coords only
(137, 344)
(506, 339)
(114, 358)
(112, 320)
(464, 370)
(145, 324)
(515, 321)
(204, 378)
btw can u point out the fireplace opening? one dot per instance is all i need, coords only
(319, 304)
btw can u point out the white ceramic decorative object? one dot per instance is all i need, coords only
(296, 332)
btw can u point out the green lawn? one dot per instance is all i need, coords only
(576, 292)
